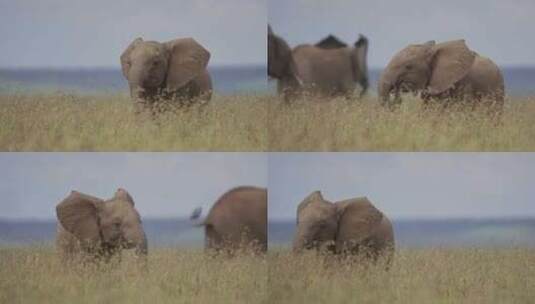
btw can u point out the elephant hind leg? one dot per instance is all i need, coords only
(213, 239)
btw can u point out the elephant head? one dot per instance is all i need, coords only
(360, 227)
(317, 222)
(153, 68)
(281, 64)
(349, 226)
(428, 67)
(103, 226)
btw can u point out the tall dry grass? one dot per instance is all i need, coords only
(364, 125)
(36, 275)
(258, 123)
(440, 275)
(57, 122)
(416, 276)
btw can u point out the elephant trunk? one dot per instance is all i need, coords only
(135, 238)
(298, 245)
(385, 89)
(388, 84)
(300, 240)
(142, 254)
(142, 248)
(141, 84)
(136, 91)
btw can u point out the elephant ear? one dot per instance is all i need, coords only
(452, 62)
(359, 62)
(77, 213)
(122, 194)
(312, 197)
(281, 63)
(331, 42)
(358, 218)
(187, 60)
(125, 64)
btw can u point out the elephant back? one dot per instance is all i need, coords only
(249, 201)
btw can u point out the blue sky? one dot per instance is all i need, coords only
(408, 185)
(62, 33)
(403, 185)
(74, 33)
(499, 29)
(162, 184)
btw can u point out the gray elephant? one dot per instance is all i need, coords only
(174, 70)
(445, 71)
(352, 226)
(89, 227)
(328, 68)
(237, 220)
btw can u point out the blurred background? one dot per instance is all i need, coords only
(166, 187)
(433, 199)
(500, 30)
(74, 46)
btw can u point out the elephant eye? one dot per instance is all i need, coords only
(409, 67)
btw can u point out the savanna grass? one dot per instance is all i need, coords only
(59, 122)
(439, 275)
(36, 275)
(364, 125)
(415, 276)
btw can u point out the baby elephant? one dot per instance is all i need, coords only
(89, 227)
(238, 220)
(352, 226)
(443, 71)
(174, 70)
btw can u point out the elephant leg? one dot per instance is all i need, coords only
(213, 240)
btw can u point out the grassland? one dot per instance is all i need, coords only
(416, 276)
(363, 125)
(35, 275)
(59, 122)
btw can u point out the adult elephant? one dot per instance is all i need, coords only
(174, 70)
(329, 68)
(90, 227)
(445, 71)
(352, 226)
(238, 220)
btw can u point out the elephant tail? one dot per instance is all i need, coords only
(195, 217)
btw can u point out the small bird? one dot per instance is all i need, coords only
(196, 213)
